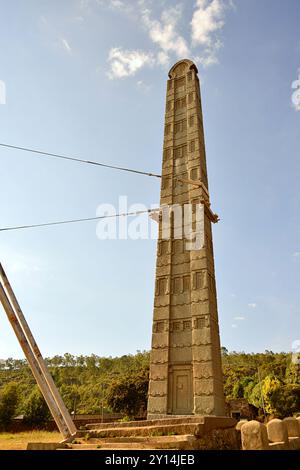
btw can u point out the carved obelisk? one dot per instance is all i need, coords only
(185, 369)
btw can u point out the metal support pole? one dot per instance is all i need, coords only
(35, 359)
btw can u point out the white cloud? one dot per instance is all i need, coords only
(296, 94)
(66, 45)
(239, 318)
(163, 59)
(2, 92)
(296, 254)
(234, 325)
(207, 20)
(209, 56)
(252, 305)
(164, 33)
(126, 63)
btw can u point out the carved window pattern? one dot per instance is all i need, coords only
(162, 286)
(179, 104)
(180, 126)
(191, 98)
(159, 327)
(200, 322)
(180, 152)
(199, 279)
(176, 285)
(187, 324)
(194, 173)
(186, 283)
(192, 146)
(177, 326)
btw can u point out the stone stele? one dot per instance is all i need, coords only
(185, 370)
(277, 431)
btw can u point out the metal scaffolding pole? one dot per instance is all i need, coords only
(33, 355)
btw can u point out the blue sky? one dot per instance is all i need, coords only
(88, 78)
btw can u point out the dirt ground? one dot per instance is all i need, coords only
(19, 441)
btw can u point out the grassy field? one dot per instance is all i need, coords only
(19, 441)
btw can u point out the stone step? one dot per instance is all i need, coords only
(128, 424)
(184, 442)
(216, 421)
(155, 431)
(142, 439)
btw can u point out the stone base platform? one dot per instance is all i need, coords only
(184, 432)
(176, 433)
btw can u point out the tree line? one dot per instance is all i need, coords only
(93, 384)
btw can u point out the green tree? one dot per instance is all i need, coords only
(270, 387)
(285, 400)
(8, 403)
(240, 387)
(255, 397)
(70, 395)
(36, 410)
(248, 389)
(128, 393)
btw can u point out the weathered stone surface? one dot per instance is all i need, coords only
(293, 427)
(294, 443)
(218, 439)
(277, 431)
(45, 446)
(240, 424)
(185, 320)
(254, 436)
